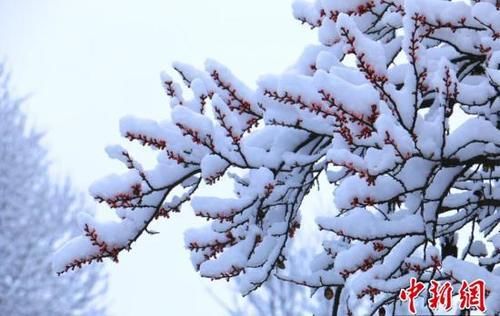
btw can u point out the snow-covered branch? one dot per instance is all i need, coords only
(397, 107)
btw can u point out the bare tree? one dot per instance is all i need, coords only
(35, 217)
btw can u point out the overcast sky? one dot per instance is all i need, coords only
(89, 62)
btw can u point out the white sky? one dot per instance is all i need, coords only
(90, 62)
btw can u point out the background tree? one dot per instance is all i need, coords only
(35, 217)
(398, 108)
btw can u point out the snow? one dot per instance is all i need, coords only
(212, 166)
(471, 137)
(401, 144)
(478, 249)
(364, 225)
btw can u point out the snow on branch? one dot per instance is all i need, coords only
(398, 106)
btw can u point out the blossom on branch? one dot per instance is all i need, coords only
(407, 136)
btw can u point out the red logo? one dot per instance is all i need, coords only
(411, 293)
(471, 295)
(440, 295)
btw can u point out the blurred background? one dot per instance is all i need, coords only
(86, 63)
